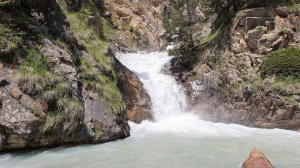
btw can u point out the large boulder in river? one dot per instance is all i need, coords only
(137, 100)
(257, 160)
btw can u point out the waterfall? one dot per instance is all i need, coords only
(169, 102)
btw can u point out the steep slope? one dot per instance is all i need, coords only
(59, 81)
(245, 68)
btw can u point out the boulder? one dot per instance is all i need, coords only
(101, 124)
(294, 21)
(256, 12)
(253, 37)
(267, 39)
(253, 22)
(137, 100)
(257, 160)
(282, 11)
(96, 23)
(270, 25)
(280, 43)
(280, 114)
(239, 44)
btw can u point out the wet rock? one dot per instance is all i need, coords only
(137, 100)
(257, 160)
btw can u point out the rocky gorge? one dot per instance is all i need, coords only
(61, 83)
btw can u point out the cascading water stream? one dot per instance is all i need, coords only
(176, 139)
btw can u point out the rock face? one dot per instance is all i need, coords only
(142, 19)
(232, 89)
(54, 90)
(137, 100)
(257, 160)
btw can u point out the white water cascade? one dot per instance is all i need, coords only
(177, 138)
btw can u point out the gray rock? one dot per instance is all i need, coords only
(280, 114)
(282, 11)
(253, 22)
(253, 37)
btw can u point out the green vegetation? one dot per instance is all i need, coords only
(35, 74)
(93, 79)
(86, 35)
(38, 79)
(282, 63)
(5, 3)
(294, 7)
(286, 87)
(10, 43)
(92, 75)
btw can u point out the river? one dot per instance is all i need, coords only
(176, 139)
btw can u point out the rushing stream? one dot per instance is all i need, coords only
(177, 139)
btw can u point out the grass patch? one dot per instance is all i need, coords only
(294, 7)
(282, 63)
(97, 47)
(10, 43)
(39, 80)
(285, 86)
(90, 75)
(93, 79)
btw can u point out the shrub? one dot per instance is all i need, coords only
(282, 63)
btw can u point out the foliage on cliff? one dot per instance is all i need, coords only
(101, 76)
(282, 63)
(21, 39)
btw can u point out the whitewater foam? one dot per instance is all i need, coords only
(169, 103)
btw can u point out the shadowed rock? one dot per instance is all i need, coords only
(137, 100)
